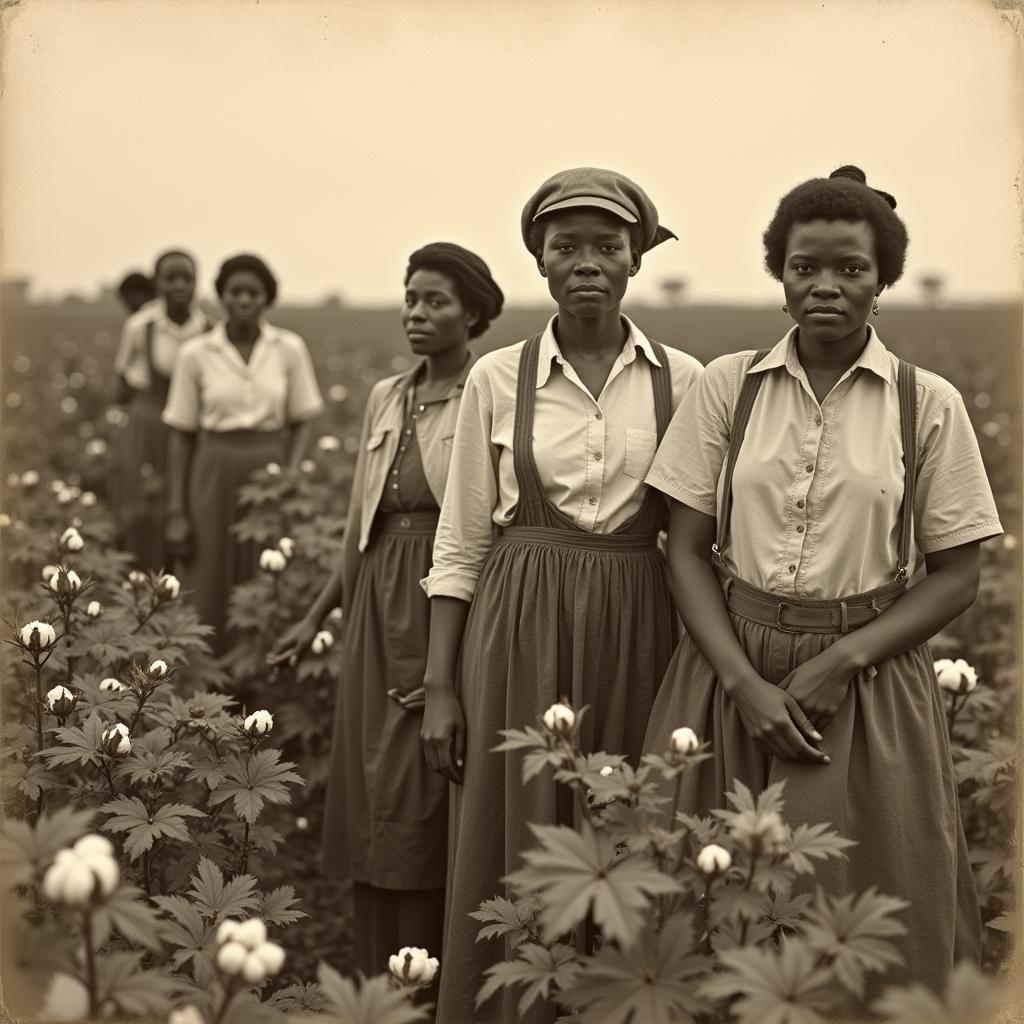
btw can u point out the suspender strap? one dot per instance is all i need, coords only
(159, 384)
(907, 386)
(740, 419)
(522, 436)
(661, 381)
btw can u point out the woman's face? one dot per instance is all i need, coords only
(244, 298)
(830, 277)
(176, 281)
(434, 318)
(587, 259)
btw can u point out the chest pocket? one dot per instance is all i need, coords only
(640, 448)
(376, 439)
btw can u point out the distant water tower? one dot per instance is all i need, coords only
(932, 289)
(674, 290)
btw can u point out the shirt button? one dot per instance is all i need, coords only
(394, 472)
(800, 503)
(598, 416)
(597, 456)
(792, 568)
(408, 432)
(817, 421)
(799, 529)
(394, 487)
(402, 449)
(421, 408)
(593, 501)
(810, 467)
(405, 524)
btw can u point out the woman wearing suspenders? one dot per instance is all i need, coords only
(546, 569)
(149, 345)
(807, 480)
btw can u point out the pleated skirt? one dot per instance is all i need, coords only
(221, 464)
(550, 619)
(889, 787)
(386, 812)
(139, 485)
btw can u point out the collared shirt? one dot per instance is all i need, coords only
(213, 388)
(818, 486)
(131, 362)
(592, 454)
(387, 423)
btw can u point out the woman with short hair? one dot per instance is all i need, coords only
(241, 396)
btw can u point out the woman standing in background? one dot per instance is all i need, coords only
(241, 396)
(386, 813)
(149, 345)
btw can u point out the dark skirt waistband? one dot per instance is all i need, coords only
(248, 438)
(409, 523)
(624, 543)
(807, 615)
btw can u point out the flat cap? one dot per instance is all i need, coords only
(595, 187)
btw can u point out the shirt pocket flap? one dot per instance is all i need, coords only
(376, 439)
(640, 448)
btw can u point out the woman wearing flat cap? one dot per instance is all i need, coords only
(547, 575)
(386, 813)
(808, 481)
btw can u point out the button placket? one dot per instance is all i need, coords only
(594, 454)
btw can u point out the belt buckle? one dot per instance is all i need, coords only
(405, 522)
(779, 624)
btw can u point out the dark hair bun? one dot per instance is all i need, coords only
(856, 174)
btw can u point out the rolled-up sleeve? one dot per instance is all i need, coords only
(689, 459)
(465, 533)
(953, 504)
(184, 401)
(303, 400)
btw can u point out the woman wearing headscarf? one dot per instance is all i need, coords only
(149, 345)
(386, 813)
(809, 481)
(547, 575)
(241, 396)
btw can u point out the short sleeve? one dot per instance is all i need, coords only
(689, 459)
(129, 349)
(953, 504)
(303, 400)
(184, 403)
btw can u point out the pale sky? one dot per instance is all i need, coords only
(333, 138)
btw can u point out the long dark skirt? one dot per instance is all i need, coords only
(889, 786)
(221, 464)
(139, 486)
(549, 620)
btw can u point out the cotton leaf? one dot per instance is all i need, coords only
(29, 849)
(773, 986)
(277, 906)
(217, 899)
(368, 999)
(184, 928)
(126, 912)
(854, 932)
(654, 982)
(503, 917)
(251, 780)
(78, 744)
(580, 872)
(135, 992)
(970, 998)
(539, 970)
(815, 842)
(143, 829)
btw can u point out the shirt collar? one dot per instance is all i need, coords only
(874, 357)
(405, 381)
(551, 352)
(158, 315)
(218, 335)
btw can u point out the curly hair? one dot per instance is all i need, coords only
(251, 264)
(470, 276)
(843, 195)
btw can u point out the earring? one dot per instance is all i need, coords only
(875, 308)
(785, 309)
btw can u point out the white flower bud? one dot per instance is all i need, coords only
(328, 443)
(38, 635)
(714, 859)
(29, 478)
(956, 676)
(168, 587)
(76, 873)
(322, 641)
(97, 853)
(47, 572)
(273, 469)
(94, 609)
(111, 685)
(272, 560)
(258, 724)
(185, 1015)
(71, 539)
(158, 668)
(96, 447)
(115, 739)
(607, 771)
(272, 956)
(286, 546)
(307, 466)
(251, 933)
(231, 957)
(254, 970)
(560, 718)
(413, 965)
(335, 615)
(65, 581)
(88, 499)
(684, 740)
(136, 578)
(61, 701)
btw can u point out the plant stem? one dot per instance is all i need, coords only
(90, 966)
(39, 726)
(110, 779)
(146, 877)
(228, 996)
(244, 862)
(954, 710)
(744, 927)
